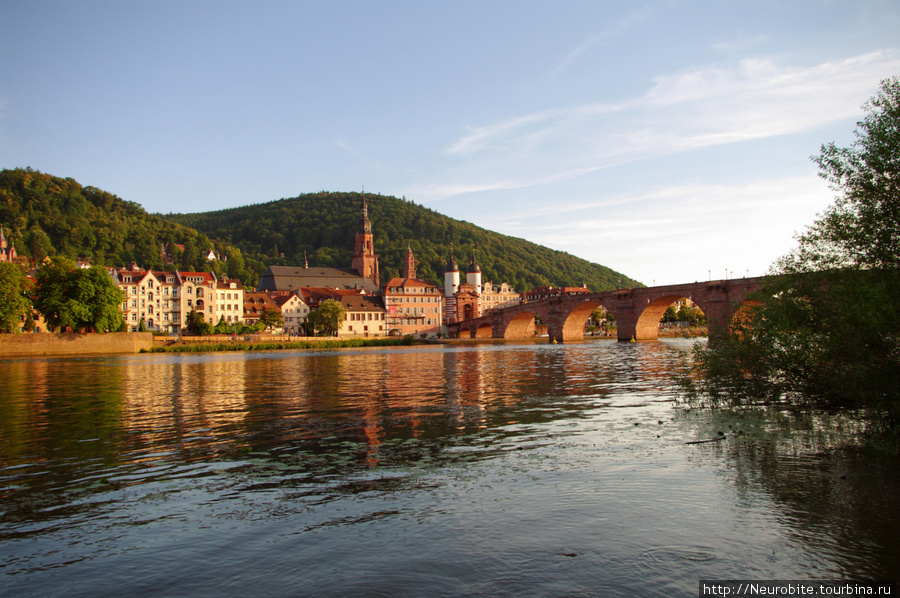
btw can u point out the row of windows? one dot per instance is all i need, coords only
(418, 290)
(359, 317)
(414, 299)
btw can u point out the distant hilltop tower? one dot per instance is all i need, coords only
(364, 259)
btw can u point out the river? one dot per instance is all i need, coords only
(459, 470)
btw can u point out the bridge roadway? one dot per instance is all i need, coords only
(637, 311)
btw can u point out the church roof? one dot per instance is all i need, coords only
(292, 278)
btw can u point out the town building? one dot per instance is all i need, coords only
(365, 316)
(229, 301)
(163, 300)
(294, 311)
(498, 296)
(413, 306)
(152, 299)
(254, 304)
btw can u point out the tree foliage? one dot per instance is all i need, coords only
(15, 303)
(825, 332)
(327, 317)
(51, 216)
(78, 298)
(271, 318)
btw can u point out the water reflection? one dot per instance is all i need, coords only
(835, 498)
(514, 467)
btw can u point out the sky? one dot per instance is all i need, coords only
(669, 140)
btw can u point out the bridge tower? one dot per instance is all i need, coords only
(451, 286)
(473, 274)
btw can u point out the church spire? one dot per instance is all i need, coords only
(364, 259)
(409, 267)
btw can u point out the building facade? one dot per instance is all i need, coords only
(229, 301)
(498, 296)
(413, 307)
(163, 300)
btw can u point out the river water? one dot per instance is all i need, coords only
(482, 470)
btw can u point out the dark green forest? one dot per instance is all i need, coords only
(45, 215)
(323, 225)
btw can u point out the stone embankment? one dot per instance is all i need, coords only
(48, 343)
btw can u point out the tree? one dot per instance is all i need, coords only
(78, 298)
(15, 305)
(270, 318)
(193, 321)
(825, 332)
(671, 315)
(327, 317)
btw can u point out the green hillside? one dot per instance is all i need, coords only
(324, 225)
(45, 215)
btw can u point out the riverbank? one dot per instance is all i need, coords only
(73, 343)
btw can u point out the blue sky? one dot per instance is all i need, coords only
(669, 140)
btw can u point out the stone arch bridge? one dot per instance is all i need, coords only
(637, 311)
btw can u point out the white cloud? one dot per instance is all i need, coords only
(680, 233)
(701, 107)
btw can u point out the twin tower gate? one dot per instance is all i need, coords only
(637, 311)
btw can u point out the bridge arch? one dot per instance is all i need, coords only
(573, 325)
(647, 326)
(484, 330)
(520, 326)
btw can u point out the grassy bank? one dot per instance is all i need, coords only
(280, 345)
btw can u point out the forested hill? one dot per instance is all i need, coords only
(45, 215)
(323, 225)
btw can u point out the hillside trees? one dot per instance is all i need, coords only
(825, 333)
(324, 225)
(51, 216)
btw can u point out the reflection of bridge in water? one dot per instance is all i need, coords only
(637, 311)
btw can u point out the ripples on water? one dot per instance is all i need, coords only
(539, 470)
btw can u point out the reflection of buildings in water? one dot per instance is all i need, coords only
(173, 401)
(464, 376)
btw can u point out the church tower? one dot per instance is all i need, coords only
(409, 266)
(364, 259)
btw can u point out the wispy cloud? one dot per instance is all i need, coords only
(702, 107)
(602, 38)
(680, 232)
